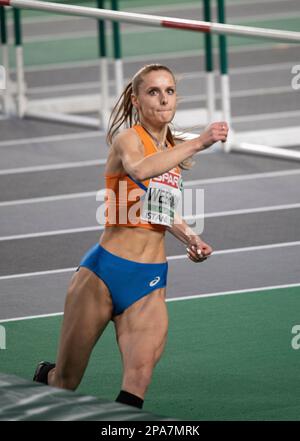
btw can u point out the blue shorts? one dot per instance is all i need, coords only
(126, 280)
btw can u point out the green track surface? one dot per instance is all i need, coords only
(227, 358)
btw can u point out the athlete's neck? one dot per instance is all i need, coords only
(159, 135)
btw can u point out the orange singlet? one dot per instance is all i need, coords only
(123, 194)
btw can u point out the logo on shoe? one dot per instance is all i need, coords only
(154, 281)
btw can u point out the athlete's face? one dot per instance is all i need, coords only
(156, 98)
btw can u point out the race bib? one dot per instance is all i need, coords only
(162, 198)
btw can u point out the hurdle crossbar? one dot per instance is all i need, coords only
(153, 20)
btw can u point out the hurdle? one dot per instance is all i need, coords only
(6, 95)
(206, 27)
(119, 74)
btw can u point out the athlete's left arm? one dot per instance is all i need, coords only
(197, 249)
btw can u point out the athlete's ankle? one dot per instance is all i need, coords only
(130, 399)
(51, 378)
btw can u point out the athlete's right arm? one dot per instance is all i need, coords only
(131, 153)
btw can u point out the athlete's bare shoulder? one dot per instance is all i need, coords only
(127, 138)
(125, 149)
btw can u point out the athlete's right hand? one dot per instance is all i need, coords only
(215, 132)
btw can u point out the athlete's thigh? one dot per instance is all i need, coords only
(88, 309)
(141, 330)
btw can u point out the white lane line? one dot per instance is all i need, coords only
(60, 166)
(47, 199)
(62, 66)
(236, 178)
(224, 293)
(51, 233)
(177, 257)
(244, 211)
(176, 299)
(38, 273)
(266, 116)
(66, 87)
(31, 317)
(240, 94)
(244, 69)
(245, 249)
(261, 91)
(187, 218)
(53, 138)
(246, 177)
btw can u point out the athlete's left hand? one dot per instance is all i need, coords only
(197, 249)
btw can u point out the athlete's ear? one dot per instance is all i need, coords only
(135, 101)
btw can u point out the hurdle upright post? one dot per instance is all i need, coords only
(225, 87)
(119, 76)
(21, 99)
(104, 112)
(7, 98)
(210, 80)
